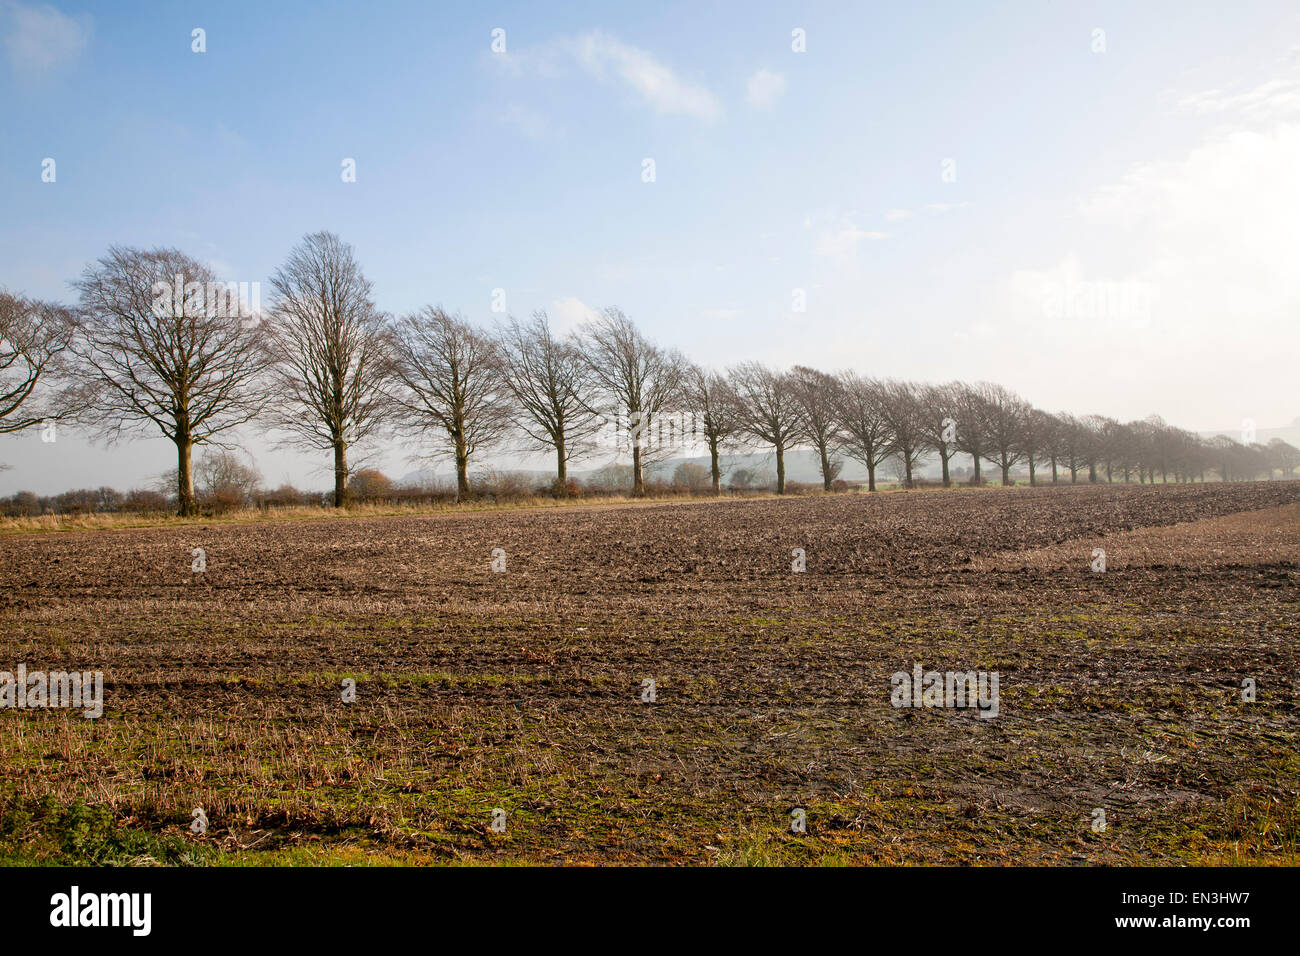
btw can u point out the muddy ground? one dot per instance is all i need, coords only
(522, 689)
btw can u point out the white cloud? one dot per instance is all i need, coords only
(654, 82)
(569, 313)
(942, 207)
(1181, 278)
(1271, 98)
(843, 244)
(898, 215)
(764, 88)
(39, 38)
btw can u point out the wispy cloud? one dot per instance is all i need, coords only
(609, 59)
(764, 88)
(39, 39)
(842, 245)
(653, 81)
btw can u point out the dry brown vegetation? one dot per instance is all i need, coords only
(522, 690)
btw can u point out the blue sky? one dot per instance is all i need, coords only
(1157, 175)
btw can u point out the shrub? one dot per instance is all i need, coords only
(146, 501)
(369, 484)
(692, 477)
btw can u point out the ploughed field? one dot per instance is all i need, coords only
(524, 689)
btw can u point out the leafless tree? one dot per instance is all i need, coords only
(34, 337)
(905, 416)
(332, 363)
(1002, 413)
(769, 409)
(939, 404)
(158, 357)
(1072, 443)
(450, 382)
(972, 436)
(864, 421)
(819, 401)
(553, 387)
(225, 481)
(1284, 456)
(1104, 447)
(1035, 439)
(709, 397)
(637, 377)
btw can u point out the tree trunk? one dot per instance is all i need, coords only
(462, 465)
(1053, 469)
(943, 458)
(780, 470)
(826, 470)
(561, 466)
(871, 476)
(975, 477)
(715, 469)
(340, 473)
(187, 506)
(1032, 480)
(638, 479)
(1006, 472)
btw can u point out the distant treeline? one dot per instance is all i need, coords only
(156, 345)
(227, 483)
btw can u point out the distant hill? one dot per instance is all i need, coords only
(1288, 433)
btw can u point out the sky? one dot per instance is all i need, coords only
(1094, 204)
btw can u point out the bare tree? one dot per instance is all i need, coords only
(160, 357)
(1283, 455)
(769, 409)
(1105, 445)
(1035, 439)
(1072, 443)
(972, 437)
(450, 381)
(553, 387)
(34, 337)
(709, 397)
(1002, 413)
(332, 364)
(864, 421)
(637, 377)
(225, 481)
(939, 429)
(905, 416)
(819, 401)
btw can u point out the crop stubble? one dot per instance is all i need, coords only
(522, 689)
